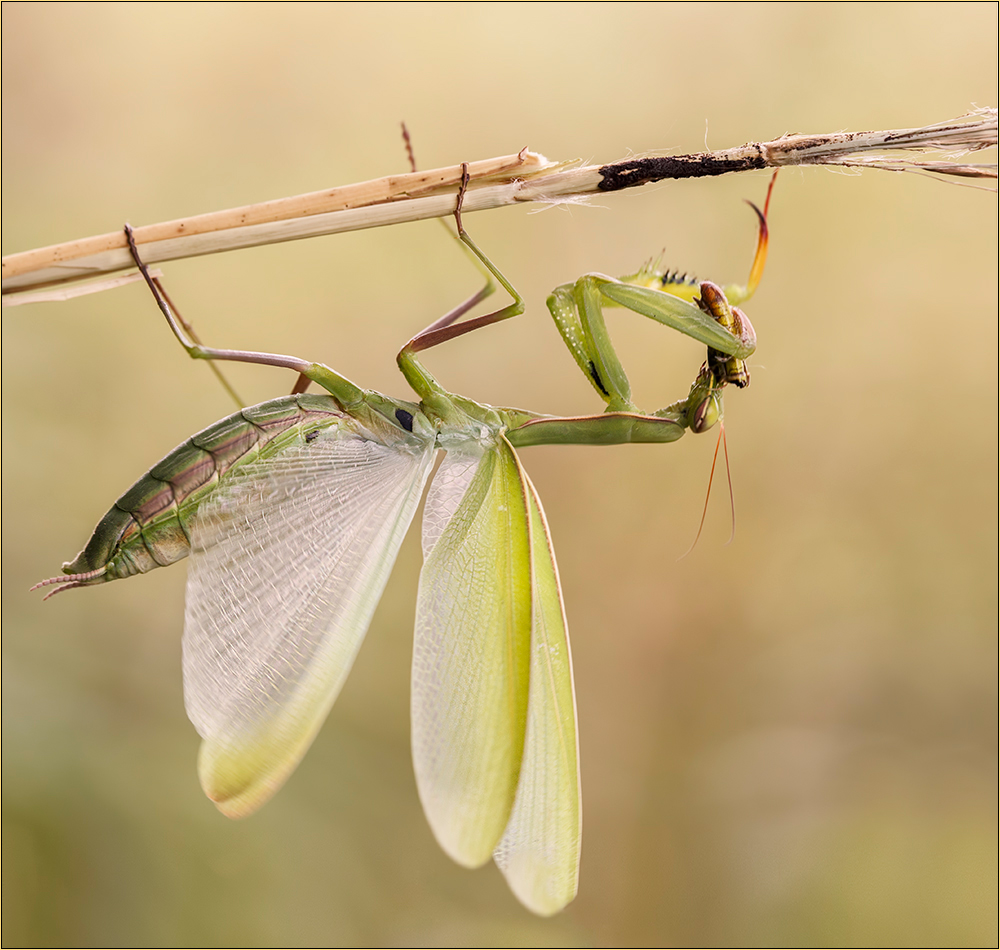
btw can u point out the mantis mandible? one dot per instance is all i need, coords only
(293, 511)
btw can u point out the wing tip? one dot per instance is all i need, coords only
(238, 789)
(540, 896)
(241, 804)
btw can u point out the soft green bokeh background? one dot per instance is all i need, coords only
(789, 741)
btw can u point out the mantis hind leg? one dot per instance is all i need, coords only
(184, 325)
(425, 339)
(338, 386)
(447, 327)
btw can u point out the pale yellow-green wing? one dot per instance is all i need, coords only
(540, 850)
(289, 557)
(471, 649)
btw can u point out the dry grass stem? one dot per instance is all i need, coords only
(496, 182)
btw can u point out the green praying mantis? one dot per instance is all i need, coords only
(292, 513)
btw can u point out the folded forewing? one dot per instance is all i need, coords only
(471, 650)
(289, 558)
(540, 850)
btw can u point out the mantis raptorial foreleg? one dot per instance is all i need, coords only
(701, 310)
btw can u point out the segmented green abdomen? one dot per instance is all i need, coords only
(148, 525)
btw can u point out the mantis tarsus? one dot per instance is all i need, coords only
(293, 511)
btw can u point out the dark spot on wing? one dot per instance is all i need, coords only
(405, 419)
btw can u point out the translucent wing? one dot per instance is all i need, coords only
(472, 650)
(540, 850)
(289, 559)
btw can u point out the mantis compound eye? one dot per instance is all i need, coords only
(706, 413)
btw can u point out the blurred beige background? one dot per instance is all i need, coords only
(789, 741)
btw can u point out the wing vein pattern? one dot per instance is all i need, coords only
(289, 558)
(471, 650)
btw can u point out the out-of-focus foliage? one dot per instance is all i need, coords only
(786, 741)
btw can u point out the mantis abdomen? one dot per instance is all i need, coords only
(148, 526)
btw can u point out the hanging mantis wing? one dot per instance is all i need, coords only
(540, 850)
(471, 650)
(493, 710)
(289, 560)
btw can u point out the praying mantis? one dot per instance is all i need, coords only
(292, 513)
